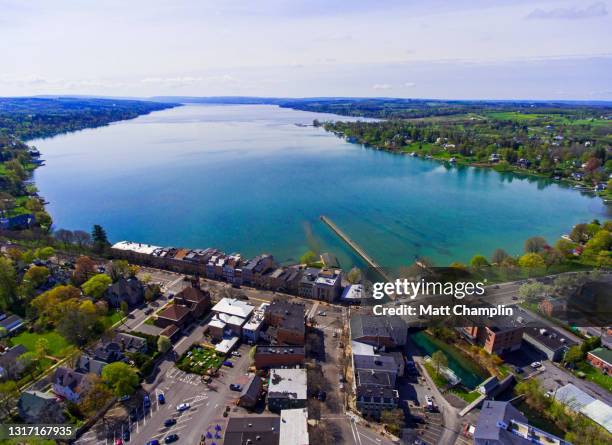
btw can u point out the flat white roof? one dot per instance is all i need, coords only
(233, 306)
(221, 319)
(291, 382)
(359, 348)
(579, 401)
(257, 318)
(353, 292)
(226, 345)
(294, 427)
(146, 249)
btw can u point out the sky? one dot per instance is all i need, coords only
(480, 49)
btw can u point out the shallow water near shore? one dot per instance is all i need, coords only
(246, 178)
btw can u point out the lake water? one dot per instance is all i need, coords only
(246, 178)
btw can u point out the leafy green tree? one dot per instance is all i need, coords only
(533, 291)
(96, 286)
(125, 308)
(163, 344)
(8, 397)
(35, 277)
(573, 355)
(565, 247)
(354, 276)
(120, 378)
(77, 322)
(99, 238)
(478, 262)
(531, 261)
(393, 420)
(602, 240)
(8, 283)
(44, 253)
(309, 258)
(439, 361)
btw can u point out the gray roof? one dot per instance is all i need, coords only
(68, 378)
(256, 429)
(375, 378)
(488, 430)
(377, 362)
(373, 326)
(252, 388)
(551, 338)
(10, 355)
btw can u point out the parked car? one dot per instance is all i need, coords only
(153, 442)
(124, 398)
(161, 399)
(126, 435)
(235, 387)
(322, 313)
(518, 370)
(171, 438)
(322, 395)
(183, 407)
(236, 354)
(118, 442)
(146, 401)
(536, 365)
(169, 422)
(228, 364)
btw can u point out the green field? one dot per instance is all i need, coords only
(595, 376)
(200, 360)
(58, 345)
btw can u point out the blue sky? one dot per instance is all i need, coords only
(494, 49)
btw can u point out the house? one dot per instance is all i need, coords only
(500, 423)
(10, 367)
(286, 389)
(306, 285)
(39, 407)
(131, 343)
(252, 429)
(496, 339)
(255, 268)
(173, 314)
(68, 384)
(129, 290)
(601, 358)
(373, 400)
(11, 323)
(251, 392)
(287, 320)
(24, 221)
(353, 294)
(294, 427)
(172, 332)
(194, 298)
(225, 326)
(279, 356)
(378, 331)
(109, 352)
(233, 306)
(87, 364)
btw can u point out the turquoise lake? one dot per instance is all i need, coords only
(247, 178)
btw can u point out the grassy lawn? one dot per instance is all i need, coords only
(595, 376)
(58, 345)
(111, 319)
(438, 379)
(468, 396)
(200, 360)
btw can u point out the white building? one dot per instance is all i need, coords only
(294, 427)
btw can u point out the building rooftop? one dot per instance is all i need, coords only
(373, 326)
(493, 416)
(294, 427)
(603, 354)
(254, 429)
(376, 362)
(174, 312)
(287, 383)
(146, 249)
(549, 337)
(354, 292)
(579, 401)
(257, 318)
(375, 378)
(233, 306)
(279, 350)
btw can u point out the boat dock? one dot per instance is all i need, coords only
(353, 245)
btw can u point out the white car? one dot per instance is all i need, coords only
(183, 407)
(236, 354)
(536, 365)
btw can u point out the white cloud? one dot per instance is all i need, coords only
(382, 86)
(597, 9)
(409, 84)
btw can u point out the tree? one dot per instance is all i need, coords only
(499, 256)
(573, 355)
(8, 283)
(84, 269)
(82, 238)
(309, 258)
(120, 378)
(99, 238)
(96, 286)
(64, 236)
(478, 262)
(8, 396)
(119, 269)
(44, 253)
(96, 397)
(393, 420)
(42, 348)
(152, 291)
(124, 307)
(36, 276)
(533, 291)
(535, 244)
(531, 261)
(163, 344)
(579, 233)
(565, 247)
(78, 321)
(49, 304)
(602, 240)
(354, 276)
(439, 361)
